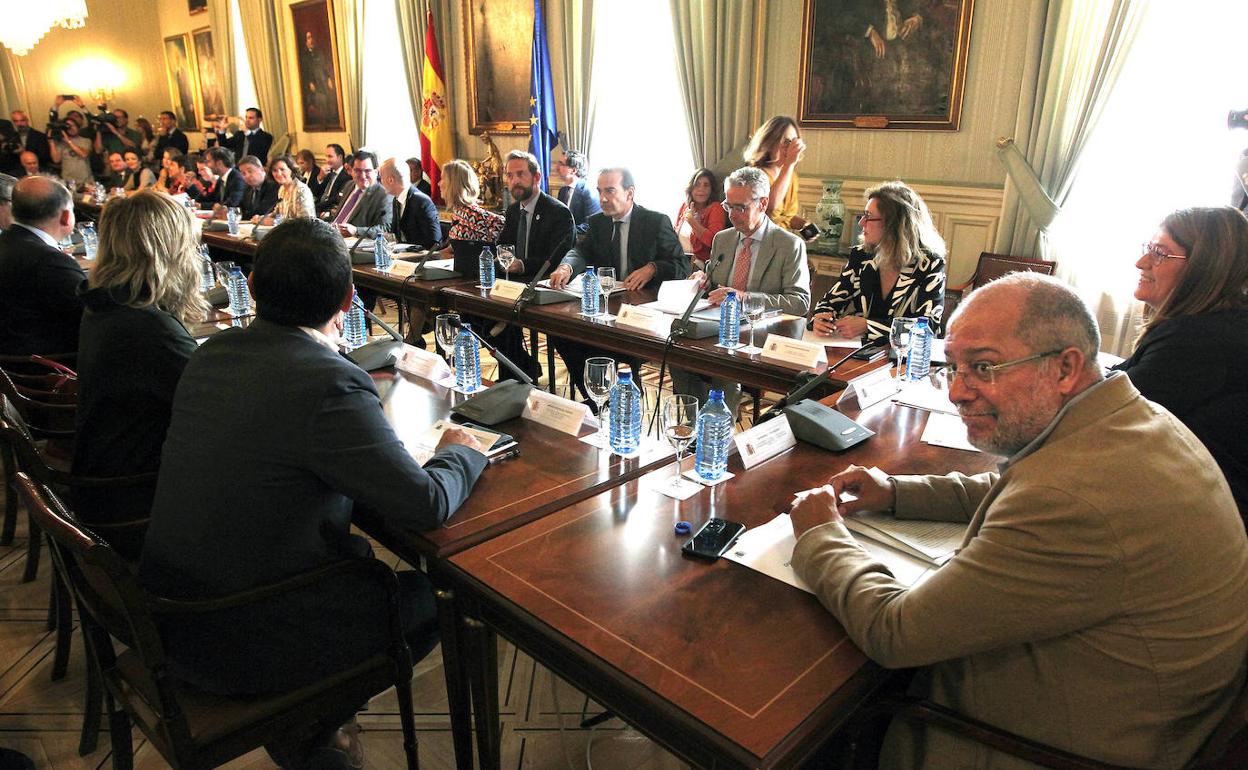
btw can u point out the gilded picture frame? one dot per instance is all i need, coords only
(211, 99)
(498, 51)
(180, 70)
(316, 45)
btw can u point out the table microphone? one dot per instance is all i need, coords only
(681, 327)
(799, 392)
(504, 401)
(377, 354)
(816, 423)
(530, 289)
(504, 360)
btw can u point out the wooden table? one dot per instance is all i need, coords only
(722, 665)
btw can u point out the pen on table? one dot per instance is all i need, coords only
(510, 453)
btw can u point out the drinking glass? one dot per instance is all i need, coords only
(444, 332)
(752, 304)
(599, 379)
(680, 414)
(606, 284)
(899, 340)
(506, 258)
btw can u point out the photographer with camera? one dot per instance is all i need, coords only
(112, 131)
(72, 152)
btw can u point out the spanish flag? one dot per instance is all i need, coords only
(436, 145)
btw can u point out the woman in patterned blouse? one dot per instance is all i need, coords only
(897, 270)
(460, 189)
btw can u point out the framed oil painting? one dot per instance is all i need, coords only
(498, 45)
(319, 95)
(196, 6)
(181, 81)
(897, 64)
(210, 98)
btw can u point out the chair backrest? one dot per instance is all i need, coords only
(16, 436)
(993, 266)
(52, 414)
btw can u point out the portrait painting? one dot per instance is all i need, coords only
(498, 51)
(196, 6)
(881, 64)
(319, 95)
(210, 97)
(181, 81)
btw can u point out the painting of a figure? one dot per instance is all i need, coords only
(318, 70)
(181, 81)
(884, 63)
(210, 97)
(499, 50)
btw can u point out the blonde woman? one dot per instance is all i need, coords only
(896, 270)
(776, 148)
(294, 198)
(461, 189)
(141, 293)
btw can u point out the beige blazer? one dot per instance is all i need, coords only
(1097, 604)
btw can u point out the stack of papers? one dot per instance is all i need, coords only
(675, 296)
(946, 430)
(576, 285)
(922, 394)
(932, 542)
(423, 447)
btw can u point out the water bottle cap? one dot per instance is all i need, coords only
(465, 328)
(921, 322)
(589, 269)
(732, 292)
(487, 250)
(715, 395)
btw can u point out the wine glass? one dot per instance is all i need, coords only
(606, 284)
(506, 258)
(680, 414)
(599, 379)
(753, 304)
(446, 326)
(899, 339)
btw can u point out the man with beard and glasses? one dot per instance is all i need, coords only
(1096, 603)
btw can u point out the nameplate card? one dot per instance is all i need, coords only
(644, 318)
(764, 441)
(508, 290)
(870, 388)
(399, 267)
(806, 355)
(555, 412)
(423, 364)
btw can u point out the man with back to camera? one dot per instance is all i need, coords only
(640, 244)
(1096, 604)
(251, 139)
(364, 210)
(297, 433)
(576, 194)
(39, 306)
(754, 255)
(414, 218)
(331, 179)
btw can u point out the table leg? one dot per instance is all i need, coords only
(453, 664)
(484, 675)
(550, 365)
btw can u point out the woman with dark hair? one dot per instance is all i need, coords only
(700, 216)
(294, 199)
(147, 145)
(1189, 356)
(306, 162)
(138, 176)
(896, 270)
(776, 148)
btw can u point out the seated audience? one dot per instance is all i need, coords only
(6, 201)
(72, 152)
(331, 179)
(896, 271)
(1096, 604)
(365, 210)
(461, 189)
(700, 216)
(229, 188)
(577, 194)
(276, 439)
(29, 164)
(294, 199)
(306, 162)
(756, 256)
(776, 148)
(39, 305)
(250, 140)
(147, 140)
(117, 136)
(1190, 354)
(142, 290)
(138, 176)
(116, 176)
(200, 186)
(169, 136)
(173, 174)
(415, 218)
(260, 193)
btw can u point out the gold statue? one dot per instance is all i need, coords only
(490, 174)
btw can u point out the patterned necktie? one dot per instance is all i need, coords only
(522, 236)
(620, 258)
(246, 143)
(741, 266)
(348, 207)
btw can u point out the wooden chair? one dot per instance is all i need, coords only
(192, 729)
(991, 267)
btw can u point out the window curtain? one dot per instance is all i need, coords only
(12, 84)
(261, 39)
(349, 29)
(571, 22)
(715, 44)
(221, 23)
(1080, 47)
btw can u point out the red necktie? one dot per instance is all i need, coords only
(741, 267)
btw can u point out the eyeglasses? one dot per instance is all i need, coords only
(1157, 255)
(865, 218)
(738, 208)
(984, 373)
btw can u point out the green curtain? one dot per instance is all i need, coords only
(221, 23)
(1080, 47)
(715, 68)
(572, 65)
(261, 38)
(349, 29)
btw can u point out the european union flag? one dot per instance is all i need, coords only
(543, 130)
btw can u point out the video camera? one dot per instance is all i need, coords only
(56, 126)
(104, 117)
(1237, 119)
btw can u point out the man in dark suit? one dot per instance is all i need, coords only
(275, 440)
(30, 164)
(230, 184)
(32, 140)
(331, 180)
(252, 140)
(576, 194)
(39, 307)
(366, 209)
(260, 195)
(414, 219)
(170, 137)
(640, 244)
(6, 201)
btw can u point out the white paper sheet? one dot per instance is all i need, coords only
(946, 430)
(923, 395)
(674, 297)
(809, 335)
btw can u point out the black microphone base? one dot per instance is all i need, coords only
(825, 427)
(434, 274)
(504, 401)
(536, 296)
(377, 354)
(696, 328)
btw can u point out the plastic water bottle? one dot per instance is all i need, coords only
(589, 292)
(714, 435)
(625, 413)
(381, 252)
(240, 297)
(467, 360)
(485, 268)
(919, 357)
(90, 240)
(231, 219)
(207, 276)
(353, 331)
(730, 321)
(100, 194)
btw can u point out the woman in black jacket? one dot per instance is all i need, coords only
(132, 349)
(1190, 355)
